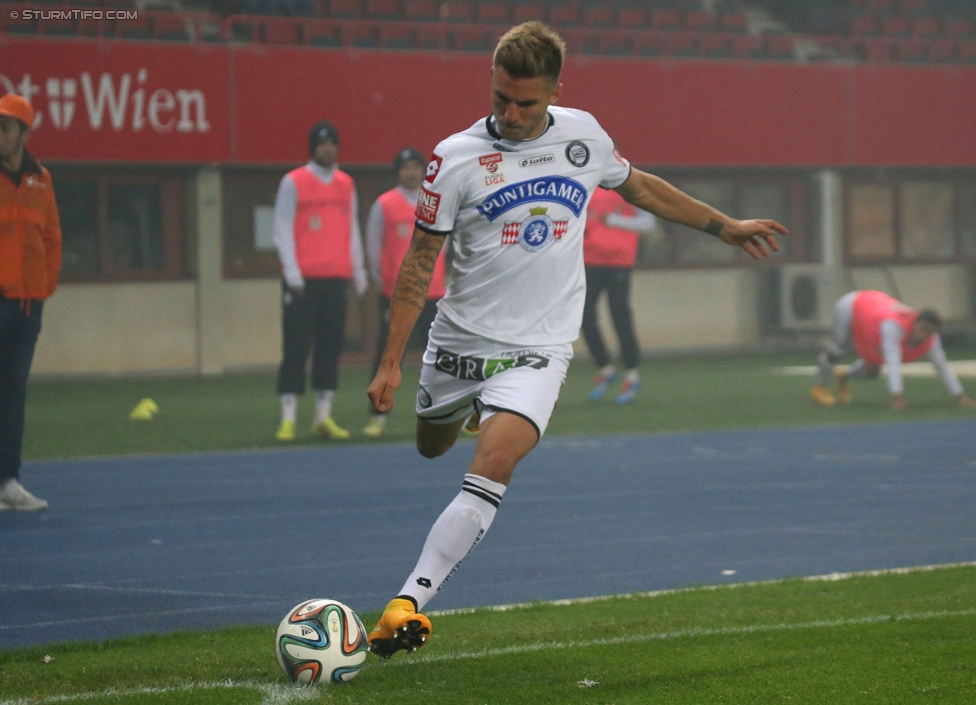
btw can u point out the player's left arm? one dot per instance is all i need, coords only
(657, 196)
(949, 378)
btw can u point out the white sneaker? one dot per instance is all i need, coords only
(14, 497)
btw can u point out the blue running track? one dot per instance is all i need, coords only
(153, 544)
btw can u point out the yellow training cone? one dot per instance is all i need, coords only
(144, 410)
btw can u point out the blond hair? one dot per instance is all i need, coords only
(531, 50)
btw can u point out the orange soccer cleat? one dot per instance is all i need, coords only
(400, 628)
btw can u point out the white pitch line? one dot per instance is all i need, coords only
(683, 634)
(278, 694)
(273, 693)
(963, 368)
(698, 588)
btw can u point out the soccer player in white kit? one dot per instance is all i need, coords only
(510, 193)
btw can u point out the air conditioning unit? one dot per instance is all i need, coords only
(806, 297)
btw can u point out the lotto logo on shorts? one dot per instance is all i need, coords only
(482, 368)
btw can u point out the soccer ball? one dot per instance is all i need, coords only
(321, 641)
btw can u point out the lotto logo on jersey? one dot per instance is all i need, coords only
(433, 168)
(427, 205)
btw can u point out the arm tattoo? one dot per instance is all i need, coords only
(714, 228)
(417, 269)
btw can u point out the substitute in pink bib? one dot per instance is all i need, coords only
(882, 331)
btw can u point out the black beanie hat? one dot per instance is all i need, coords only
(408, 154)
(321, 132)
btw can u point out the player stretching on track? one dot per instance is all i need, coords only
(511, 192)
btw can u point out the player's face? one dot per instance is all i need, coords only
(13, 136)
(326, 153)
(921, 331)
(411, 175)
(520, 104)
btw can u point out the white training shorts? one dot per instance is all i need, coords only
(463, 372)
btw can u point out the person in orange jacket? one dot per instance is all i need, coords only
(30, 260)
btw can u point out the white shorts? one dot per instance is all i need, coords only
(464, 373)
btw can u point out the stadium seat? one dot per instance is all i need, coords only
(58, 27)
(715, 45)
(240, 28)
(779, 47)
(383, 10)
(471, 38)
(664, 18)
(967, 51)
(615, 43)
(876, 50)
(636, 17)
(748, 47)
(648, 44)
(912, 50)
(680, 45)
(431, 37)
(528, 10)
(835, 48)
(397, 35)
(895, 26)
(492, 12)
(322, 32)
(580, 40)
(280, 30)
(942, 51)
(89, 28)
(344, 9)
(361, 35)
(927, 26)
(421, 10)
(598, 16)
(864, 25)
(563, 16)
(457, 11)
(141, 28)
(958, 27)
(171, 27)
(700, 21)
(733, 22)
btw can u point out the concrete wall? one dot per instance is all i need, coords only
(212, 325)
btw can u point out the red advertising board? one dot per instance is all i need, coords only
(105, 101)
(113, 101)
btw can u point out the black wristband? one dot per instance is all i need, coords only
(713, 228)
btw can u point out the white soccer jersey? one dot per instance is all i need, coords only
(516, 212)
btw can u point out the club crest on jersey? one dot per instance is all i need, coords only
(554, 189)
(577, 153)
(535, 232)
(492, 164)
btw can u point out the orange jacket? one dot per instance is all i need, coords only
(30, 234)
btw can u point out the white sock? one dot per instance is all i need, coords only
(633, 376)
(608, 371)
(457, 530)
(323, 404)
(289, 407)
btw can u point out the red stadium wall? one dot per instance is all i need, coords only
(101, 101)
